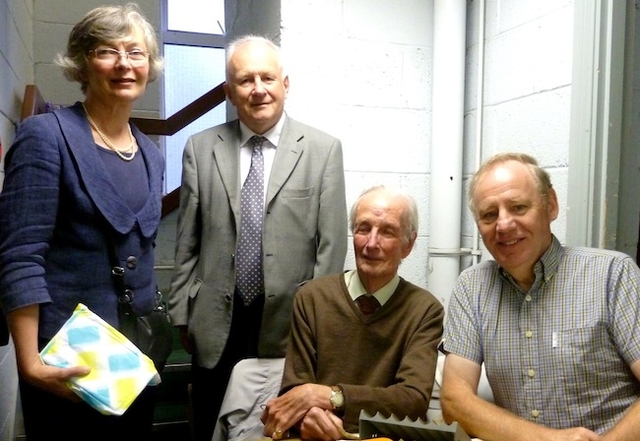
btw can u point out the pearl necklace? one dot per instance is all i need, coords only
(132, 152)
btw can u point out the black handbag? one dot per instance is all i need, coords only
(151, 333)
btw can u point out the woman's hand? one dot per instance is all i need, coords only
(53, 379)
(23, 324)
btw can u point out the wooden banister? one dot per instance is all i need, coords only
(34, 104)
(183, 117)
(170, 202)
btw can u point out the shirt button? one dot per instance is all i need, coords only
(529, 334)
(535, 413)
(531, 373)
(527, 298)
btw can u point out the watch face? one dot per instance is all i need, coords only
(337, 398)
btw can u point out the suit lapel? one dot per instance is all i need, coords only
(288, 154)
(226, 152)
(100, 187)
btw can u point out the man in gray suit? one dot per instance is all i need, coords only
(303, 228)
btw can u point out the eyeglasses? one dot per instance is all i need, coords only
(112, 55)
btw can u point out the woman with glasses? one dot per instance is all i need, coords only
(80, 181)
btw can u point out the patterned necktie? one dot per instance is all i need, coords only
(368, 304)
(249, 279)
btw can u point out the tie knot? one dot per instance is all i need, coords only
(257, 141)
(368, 304)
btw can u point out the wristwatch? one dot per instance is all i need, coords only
(337, 398)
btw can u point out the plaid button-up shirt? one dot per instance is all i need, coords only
(559, 353)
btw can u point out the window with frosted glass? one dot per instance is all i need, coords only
(194, 64)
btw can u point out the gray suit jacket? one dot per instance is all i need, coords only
(304, 233)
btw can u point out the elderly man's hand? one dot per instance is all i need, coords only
(321, 424)
(284, 412)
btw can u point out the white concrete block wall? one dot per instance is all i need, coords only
(527, 89)
(361, 70)
(16, 69)
(16, 66)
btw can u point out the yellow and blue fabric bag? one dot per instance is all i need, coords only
(119, 370)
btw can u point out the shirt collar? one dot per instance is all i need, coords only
(272, 135)
(548, 264)
(546, 267)
(356, 289)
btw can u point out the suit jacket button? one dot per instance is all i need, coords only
(132, 262)
(127, 297)
(228, 298)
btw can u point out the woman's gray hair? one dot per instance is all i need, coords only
(107, 24)
(540, 176)
(409, 211)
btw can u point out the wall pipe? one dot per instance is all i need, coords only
(449, 47)
(476, 251)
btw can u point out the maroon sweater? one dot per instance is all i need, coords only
(385, 362)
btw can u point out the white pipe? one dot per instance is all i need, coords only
(476, 252)
(449, 45)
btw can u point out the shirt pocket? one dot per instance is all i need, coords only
(584, 365)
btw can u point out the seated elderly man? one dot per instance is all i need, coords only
(364, 339)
